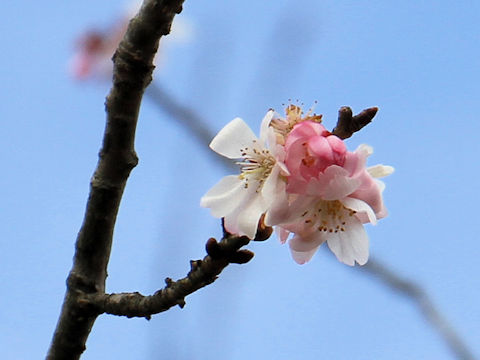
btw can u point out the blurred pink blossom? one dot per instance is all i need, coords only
(94, 49)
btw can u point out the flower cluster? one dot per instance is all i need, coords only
(303, 180)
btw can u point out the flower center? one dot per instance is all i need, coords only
(328, 216)
(294, 115)
(256, 166)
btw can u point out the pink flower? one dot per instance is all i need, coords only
(332, 194)
(305, 182)
(310, 149)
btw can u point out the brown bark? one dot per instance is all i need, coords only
(133, 66)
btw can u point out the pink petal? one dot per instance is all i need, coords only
(337, 145)
(304, 130)
(321, 148)
(332, 184)
(369, 191)
(303, 257)
(282, 234)
(294, 155)
(303, 249)
(353, 163)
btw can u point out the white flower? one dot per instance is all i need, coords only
(242, 199)
(333, 208)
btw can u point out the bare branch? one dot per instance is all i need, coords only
(202, 273)
(132, 73)
(425, 304)
(188, 119)
(347, 124)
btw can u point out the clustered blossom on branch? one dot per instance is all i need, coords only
(303, 180)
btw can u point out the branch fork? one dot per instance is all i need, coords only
(202, 273)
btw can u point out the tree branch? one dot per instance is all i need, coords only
(132, 73)
(426, 306)
(188, 119)
(202, 273)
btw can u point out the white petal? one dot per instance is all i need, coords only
(360, 207)
(272, 185)
(236, 135)
(230, 222)
(278, 208)
(264, 133)
(249, 216)
(379, 171)
(225, 196)
(350, 245)
(364, 149)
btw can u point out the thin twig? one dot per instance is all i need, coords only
(202, 273)
(132, 73)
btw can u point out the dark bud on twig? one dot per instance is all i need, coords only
(213, 248)
(364, 118)
(348, 124)
(241, 257)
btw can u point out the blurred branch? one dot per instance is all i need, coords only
(347, 125)
(187, 118)
(426, 306)
(179, 113)
(132, 73)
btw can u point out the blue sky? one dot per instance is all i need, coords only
(416, 60)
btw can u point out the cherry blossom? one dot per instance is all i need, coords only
(304, 180)
(242, 199)
(333, 194)
(294, 115)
